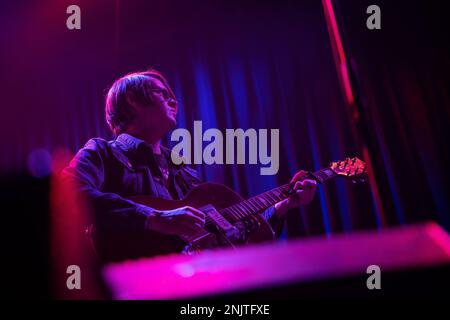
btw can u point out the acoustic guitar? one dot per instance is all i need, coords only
(232, 221)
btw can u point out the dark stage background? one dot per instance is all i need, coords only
(247, 64)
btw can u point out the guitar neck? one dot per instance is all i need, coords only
(259, 203)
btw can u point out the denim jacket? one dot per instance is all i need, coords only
(108, 172)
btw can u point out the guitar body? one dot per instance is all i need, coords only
(219, 197)
(121, 244)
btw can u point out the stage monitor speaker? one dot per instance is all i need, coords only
(409, 261)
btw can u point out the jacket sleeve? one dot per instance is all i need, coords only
(111, 211)
(275, 222)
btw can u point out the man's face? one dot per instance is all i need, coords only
(162, 113)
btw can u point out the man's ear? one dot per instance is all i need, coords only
(131, 100)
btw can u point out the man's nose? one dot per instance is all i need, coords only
(173, 103)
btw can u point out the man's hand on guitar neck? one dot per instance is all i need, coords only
(305, 190)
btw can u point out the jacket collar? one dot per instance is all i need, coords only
(129, 143)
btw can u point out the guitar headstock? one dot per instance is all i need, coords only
(351, 168)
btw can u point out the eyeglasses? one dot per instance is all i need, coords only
(164, 93)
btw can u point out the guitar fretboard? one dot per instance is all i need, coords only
(259, 203)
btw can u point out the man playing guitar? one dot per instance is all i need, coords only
(140, 109)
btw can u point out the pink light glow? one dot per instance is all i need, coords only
(225, 271)
(337, 45)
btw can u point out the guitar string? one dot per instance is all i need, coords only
(244, 209)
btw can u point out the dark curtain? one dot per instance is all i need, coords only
(232, 64)
(401, 74)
